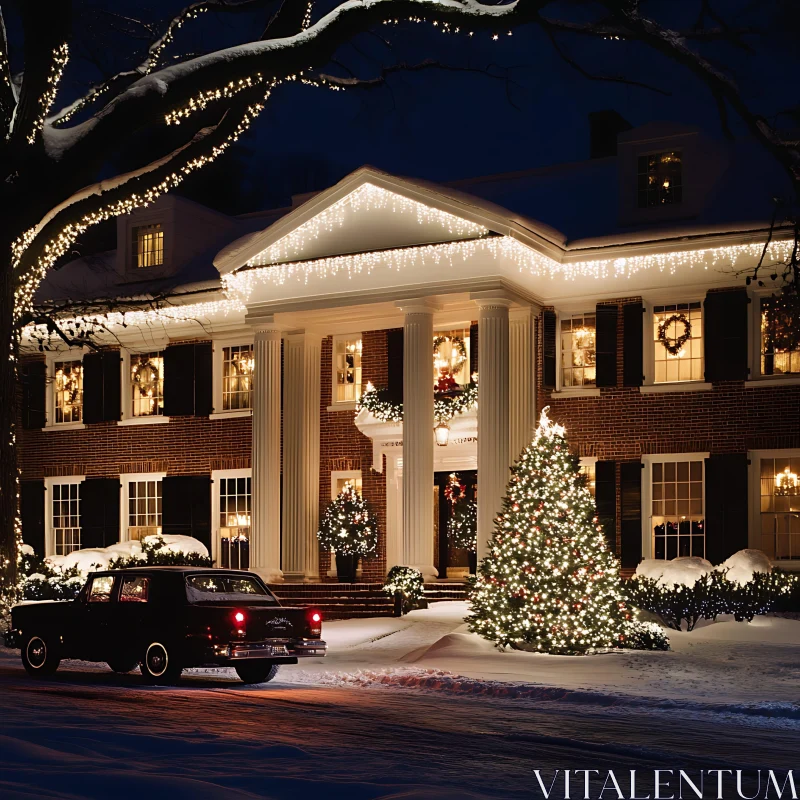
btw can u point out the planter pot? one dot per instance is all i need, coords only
(473, 562)
(346, 567)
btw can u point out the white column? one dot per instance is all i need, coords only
(522, 381)
(493, 420)
(418, 436)
(301, 399)
(265, 531)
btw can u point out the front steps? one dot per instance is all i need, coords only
(356, 600)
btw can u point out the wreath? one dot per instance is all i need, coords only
(674, 345)
(460, 349)
(455, 490)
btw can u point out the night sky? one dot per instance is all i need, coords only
(445, 125)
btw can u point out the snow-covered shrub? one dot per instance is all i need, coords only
(40, 580)
(743, 566)
(406, 583)
(683, 571)
(641, 635)
(162, 550)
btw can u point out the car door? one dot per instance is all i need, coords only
(134, 616)
(96, 628)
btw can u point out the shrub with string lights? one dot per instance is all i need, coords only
(348, 527)
(549, 582)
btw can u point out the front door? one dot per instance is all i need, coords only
(451, 562)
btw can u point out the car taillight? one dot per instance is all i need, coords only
(238, 617)
(314, 622)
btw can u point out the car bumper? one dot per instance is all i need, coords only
(282, 651)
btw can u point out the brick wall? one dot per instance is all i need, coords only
(344, 447)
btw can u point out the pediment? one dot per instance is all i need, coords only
(367, 211)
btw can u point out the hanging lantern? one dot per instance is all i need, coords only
(442, 434)
(786, 483)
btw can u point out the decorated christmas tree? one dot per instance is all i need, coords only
(549, 582)
(348, 527)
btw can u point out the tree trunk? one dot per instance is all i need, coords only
(9, 483)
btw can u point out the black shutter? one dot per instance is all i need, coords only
(99, 512)
(605, 498)
(549, 349)
(187, 379)
(31, 507)
(632, 343)
(606, 345)
(725, 335)
(34, 379)
(203, 372)
(394, 364)
(631, 524)
(186, 507)
(101, 387)
(473, 348)
(726, 506)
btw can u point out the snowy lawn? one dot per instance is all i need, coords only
(745, 666)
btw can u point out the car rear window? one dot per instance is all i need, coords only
(223, 588)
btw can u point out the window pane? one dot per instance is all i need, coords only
(659, 179)
(578, 354)
(68, 391)
(238, 365)
(678, 343)
(148, 246)
(677, 521)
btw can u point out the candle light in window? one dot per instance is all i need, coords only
(786, 483)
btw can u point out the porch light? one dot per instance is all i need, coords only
(786, 483)
(442, 434)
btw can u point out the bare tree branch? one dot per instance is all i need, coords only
(7, 98)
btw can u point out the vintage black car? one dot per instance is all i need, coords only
(165, 619)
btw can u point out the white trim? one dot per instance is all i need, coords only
(49, 532)
(155, 419)
(66, 426)
(792, 379)
(350, 405)
(218, 344)
(679, 386)
(124, 479)
(754, 500)
(588, 391)
(647, 491)
(216, 476)
(341, 405)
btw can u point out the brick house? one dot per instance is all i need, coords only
(611, 290)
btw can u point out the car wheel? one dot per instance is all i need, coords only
(123, 666)
(40, 656)
(256, 672)
(160, 665)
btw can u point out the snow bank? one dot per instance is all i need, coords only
(743, 565)
(179, 544)
(88, 560)
(683, 571)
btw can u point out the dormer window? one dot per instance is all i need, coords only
(148, 246)
(660, 179)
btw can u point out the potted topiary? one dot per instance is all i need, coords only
(350, 529)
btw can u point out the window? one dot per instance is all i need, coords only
(660, 180)
(135, 589)
(587, 468)
(66, 519)
(100, 590)
(237, 377)
(780, 353)
(678, 342)
(222, 588)
(235, 502)
(780, 507)
(447, 355)
(147, 384)
(342, 477)
(144, 508)
(148, 246)
(347, 368)
(68, 391)
(578, 350)
(677, 509)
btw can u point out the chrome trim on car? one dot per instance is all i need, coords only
(308, 647)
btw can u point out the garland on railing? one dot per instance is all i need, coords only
(383, 407)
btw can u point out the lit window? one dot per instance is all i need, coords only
(66, 517)
(235, 502)
(780, 507)
(237, 377)
(678, 342)
(780, 352)
(451, 353)
(677, 512)
(144, 508)
(68, 391)
(660, 179)
(347, 368)
(147, 384)
(338, 483)
(588, 469)
(148, 246)
(578, 350)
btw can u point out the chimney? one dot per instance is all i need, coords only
(604, 127)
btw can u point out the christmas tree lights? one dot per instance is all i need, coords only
(549, 583)
(348, 526)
